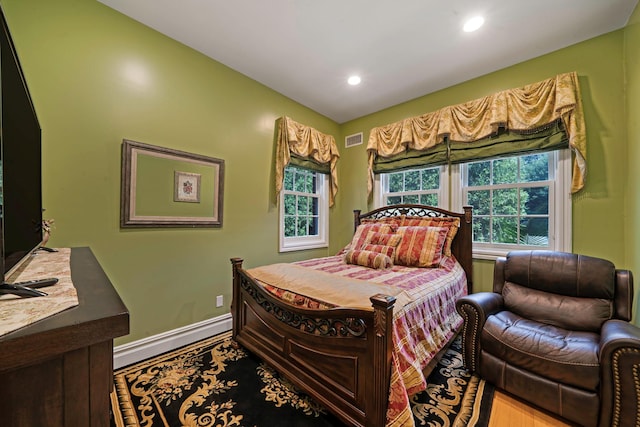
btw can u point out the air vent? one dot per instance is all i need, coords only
(351, 140)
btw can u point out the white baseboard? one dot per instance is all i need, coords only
(136, 351)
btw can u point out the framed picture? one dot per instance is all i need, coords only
(162, 187)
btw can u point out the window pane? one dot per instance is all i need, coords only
(396, 182)
(313, 226)
(535, 201)
(303, 205)
(505, 230)
(298, 183)
(289, 226)
(413, 198)
(534, 167)
(429, 199)
(394, 200)
(481, 202)
(505, 171)
(302, 226)
(313, 206)
(479, 173)
(289, 204)
(310, 183)
(534, 231)
(412, 180)
(505, 201)
(481, 229)
(288, 179)
(430, 179)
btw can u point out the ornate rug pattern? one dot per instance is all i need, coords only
(216, 383)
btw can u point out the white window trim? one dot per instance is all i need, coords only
(289, 244)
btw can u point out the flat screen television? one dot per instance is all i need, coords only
(20, 163)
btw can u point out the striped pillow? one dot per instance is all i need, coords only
(452, 223)
(362, 232)
(386, 239)
(368, 259)
(389, 251)
(421, 246)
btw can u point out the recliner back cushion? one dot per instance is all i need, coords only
(572, 313)
(561, 273)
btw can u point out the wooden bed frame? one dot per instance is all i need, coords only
(340, 357)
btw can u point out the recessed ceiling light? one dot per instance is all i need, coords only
(473, 24)
(354, 80)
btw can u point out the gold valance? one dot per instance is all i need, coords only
(521, 109)
(306, 143)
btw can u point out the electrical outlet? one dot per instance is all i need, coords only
(219, 301)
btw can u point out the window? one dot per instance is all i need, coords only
(412, 186)
(519, 202)
(304, 207)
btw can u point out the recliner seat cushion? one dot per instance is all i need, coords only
(567, 357)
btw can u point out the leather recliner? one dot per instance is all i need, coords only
(555, 332)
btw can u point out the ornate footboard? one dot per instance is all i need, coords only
(340, 357)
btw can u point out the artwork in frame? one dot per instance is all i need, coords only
(187, 187)
(157, 181)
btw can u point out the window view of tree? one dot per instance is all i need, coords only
(510, 199)
(412, 186)
(301, 202)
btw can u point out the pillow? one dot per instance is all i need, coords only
(452, 223)
(421, 246)
(368, 259)
(360, 236)
(389, 251)
(386, 239)
(386, 220)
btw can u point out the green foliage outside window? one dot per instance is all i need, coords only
(413, 186)
(301, 207)
(510, 199)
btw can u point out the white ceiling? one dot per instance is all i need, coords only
(403, 49)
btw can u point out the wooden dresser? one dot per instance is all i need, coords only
(59, 370)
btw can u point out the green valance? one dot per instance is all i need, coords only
(510, 143)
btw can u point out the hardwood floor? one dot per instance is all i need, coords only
(510, 412)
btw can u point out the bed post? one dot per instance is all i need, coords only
(382, 354)
(235, 299)
(356, 218)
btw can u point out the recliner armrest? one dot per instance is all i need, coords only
(620, 373)
(474, 309)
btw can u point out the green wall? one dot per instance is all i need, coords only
(632, 98)
(98, 77)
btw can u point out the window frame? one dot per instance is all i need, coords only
(381, 184)
(298, 243)
(560, 209)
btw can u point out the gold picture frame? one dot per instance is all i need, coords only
(157, 181)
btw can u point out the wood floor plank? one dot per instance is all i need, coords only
(510, 412)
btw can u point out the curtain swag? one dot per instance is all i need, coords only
(305, 146)
(522, 110)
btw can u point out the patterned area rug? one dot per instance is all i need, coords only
(216, 383)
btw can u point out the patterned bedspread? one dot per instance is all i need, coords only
(421, 328)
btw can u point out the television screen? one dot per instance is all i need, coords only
(20, 160)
